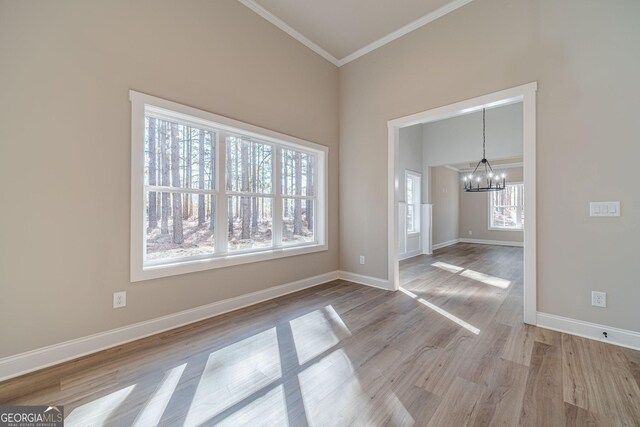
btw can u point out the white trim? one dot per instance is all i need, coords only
(365, 280)
(521, 229)
(529, 177)
(527, 95)
(417, 216)
(500, 166)
(142, 104)
(492, 242)
(228, 260)
(289, 30)
(490, 211)
(445, 244)
(495, 99)
(411, 254)
(30, 361)
(393, 267)
(427, 241)
(616, 336)
(412, 26)
(205, 118)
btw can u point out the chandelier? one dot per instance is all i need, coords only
(485, 179)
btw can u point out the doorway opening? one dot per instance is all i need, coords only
(523, 95)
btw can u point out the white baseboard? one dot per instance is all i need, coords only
(365, 280)
(444, 244)
(492, 242)
(616, 336)
(19, 364)
(411, 254)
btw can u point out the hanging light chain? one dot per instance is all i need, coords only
(492, 179)
(484, 139)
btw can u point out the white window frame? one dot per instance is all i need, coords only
(491, 227)
(140, 104)
(417, 206)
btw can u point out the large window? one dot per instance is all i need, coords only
(506, 208)
(413, 198)
(208, 191)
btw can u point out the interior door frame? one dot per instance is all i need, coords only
(527, 95)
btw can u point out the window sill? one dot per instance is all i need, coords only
(505, 229)
(413, 233)
(167, 270)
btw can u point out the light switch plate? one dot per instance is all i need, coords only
(604, 209)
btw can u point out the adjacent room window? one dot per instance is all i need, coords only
(506, 208)
(413, 194)
(208, 191)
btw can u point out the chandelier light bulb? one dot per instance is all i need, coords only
(504, 175)
(478, 179)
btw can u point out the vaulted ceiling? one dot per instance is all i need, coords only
(343, 30)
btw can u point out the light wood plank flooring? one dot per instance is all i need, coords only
(448, 350)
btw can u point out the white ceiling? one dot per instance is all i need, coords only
(343, 30)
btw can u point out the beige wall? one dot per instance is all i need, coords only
(66, 69)
(445, 190)
(474, 214)
(583, 55)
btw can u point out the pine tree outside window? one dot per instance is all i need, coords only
(209, 192)
(506, 208)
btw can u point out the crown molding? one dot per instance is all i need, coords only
(412, 26)
(452, 168)
(498, 166)
(251, 4)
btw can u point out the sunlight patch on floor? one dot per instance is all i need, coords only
(329, 386)
(97, 412)
(334, 393)
(233, 373)
(448, 267)
(316, 332)
(442, 312)
(475, 275)
(153, 410)
(270, 409)
(487, 279)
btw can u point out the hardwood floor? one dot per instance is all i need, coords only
(449, 349)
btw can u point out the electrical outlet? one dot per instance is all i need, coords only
(598, 299)
(362, 259)
(470, 233)
(119, 299)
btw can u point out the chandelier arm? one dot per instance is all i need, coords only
(490, 168)
(477, 166)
